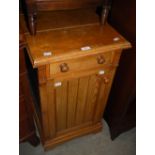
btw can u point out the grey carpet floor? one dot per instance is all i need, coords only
(93, 144)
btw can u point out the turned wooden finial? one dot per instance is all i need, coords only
(105, 11)
(31, 15)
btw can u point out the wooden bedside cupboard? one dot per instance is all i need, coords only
(75, 69)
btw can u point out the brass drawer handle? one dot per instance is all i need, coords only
(100, 59)
(64, 67)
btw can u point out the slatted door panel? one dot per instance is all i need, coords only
(70, 101)
(75, 102)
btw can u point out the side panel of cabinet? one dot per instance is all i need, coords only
(105, 84)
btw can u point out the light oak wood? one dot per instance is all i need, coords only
(74, 85)
(72, 134)
(91, 98)
(72, 102)
(76, 103)
(66, 43)
(44, 110)
(61, 106)
(80, 64)
(51, 109)
(81, 99)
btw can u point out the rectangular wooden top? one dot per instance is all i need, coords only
(73, 42)
(64, 33)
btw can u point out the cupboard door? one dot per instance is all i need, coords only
(76, 103)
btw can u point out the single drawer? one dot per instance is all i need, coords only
(81, 64)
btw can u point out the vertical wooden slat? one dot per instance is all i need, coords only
(72, 97)
(51, 109)
(91, 98)
(100, 100)
(61, 106)
(43, 100)
(81, 99)
(44, 109)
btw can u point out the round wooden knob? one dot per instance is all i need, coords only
(100, 59)
(106, 79)
(64, 67)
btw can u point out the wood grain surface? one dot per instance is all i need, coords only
(66, 44)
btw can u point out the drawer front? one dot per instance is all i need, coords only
(80, 64)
